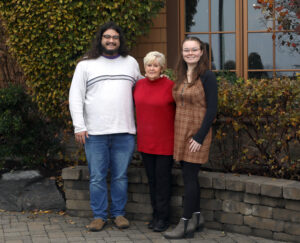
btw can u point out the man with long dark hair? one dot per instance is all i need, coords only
(101, 107)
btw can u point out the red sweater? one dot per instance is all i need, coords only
(155, 113)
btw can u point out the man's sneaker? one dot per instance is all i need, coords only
(96, 225)
(121, 222)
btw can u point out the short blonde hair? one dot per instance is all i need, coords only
(155, 55)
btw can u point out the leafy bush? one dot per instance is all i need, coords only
(24, 135)
(47, 37)
(266, 113)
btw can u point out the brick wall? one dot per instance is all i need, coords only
(251, 205)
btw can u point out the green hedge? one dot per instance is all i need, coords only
(263, 117)
(47, 38)
(27, 139)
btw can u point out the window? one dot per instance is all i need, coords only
(239, 38)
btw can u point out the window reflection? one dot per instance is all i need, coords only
(223, 46)
(254, 62)
(287, 74)
(256, 21)
(223, 15)
(196, 15)
(285, 58)
(261, 43)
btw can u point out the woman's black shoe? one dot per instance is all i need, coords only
(161, 225)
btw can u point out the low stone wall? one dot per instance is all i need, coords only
(251, 205)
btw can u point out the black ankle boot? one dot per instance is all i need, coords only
(196, 222)
(181, 231)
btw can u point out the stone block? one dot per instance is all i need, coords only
(141, 198)
(177, 191)
(229, 218)
(292, 228)
(274, 187)
(251, 198)
(272, 202)
(176, 213)
(211, 204)
(80, 213)
(85, 174)
(263, 233)
(177, 177)
(142, 217)
(229, 195)
(71, 173)
(241, 229)
(219, 181)
(264, 224)
(208, 215)
(235, 182)
(285, 237)
(253, 184)
(229, 206)
(207, 193)
(292, 191)
(262, 211)
(245, 208)
(293, 205)
(71, 194)
(134, 175)
(214, 225)
(286, 215)
(205, 179)
(78, 204)
(144, 176)
(76, 185)
(138, 188)
(176, 201)
(136, 208)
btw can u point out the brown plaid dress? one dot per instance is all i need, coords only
(190, 112)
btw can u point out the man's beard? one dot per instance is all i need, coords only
(110, 52)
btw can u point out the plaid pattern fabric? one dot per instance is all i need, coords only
(190, 112)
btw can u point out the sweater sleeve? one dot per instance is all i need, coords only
(77, 98)
(211, 95)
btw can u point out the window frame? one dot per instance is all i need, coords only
(241, 38)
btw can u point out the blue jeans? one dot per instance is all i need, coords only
(109, 152)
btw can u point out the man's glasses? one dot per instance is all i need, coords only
(193, 50)
(115, 37)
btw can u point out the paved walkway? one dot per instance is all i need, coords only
(41, 227)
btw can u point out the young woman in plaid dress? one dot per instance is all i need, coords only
(195, 94)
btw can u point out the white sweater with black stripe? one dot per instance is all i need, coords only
(100, 98)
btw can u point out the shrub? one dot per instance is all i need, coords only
(24, 135)
(47, 37)
(266, 113)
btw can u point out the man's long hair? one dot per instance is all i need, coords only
(200, 69)
(97, 49)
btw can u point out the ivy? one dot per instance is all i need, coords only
(47, 38)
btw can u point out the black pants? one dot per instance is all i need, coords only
(158, 170)
(191, 201)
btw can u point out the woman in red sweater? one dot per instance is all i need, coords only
(155, 113)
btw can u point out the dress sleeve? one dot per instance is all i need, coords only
(211, 95)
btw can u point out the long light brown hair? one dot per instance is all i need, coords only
(200, 69)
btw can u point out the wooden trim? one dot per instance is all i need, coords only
(245, 39)
(182, 19)
(274, 43)
(238, 39)
(173, 32)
